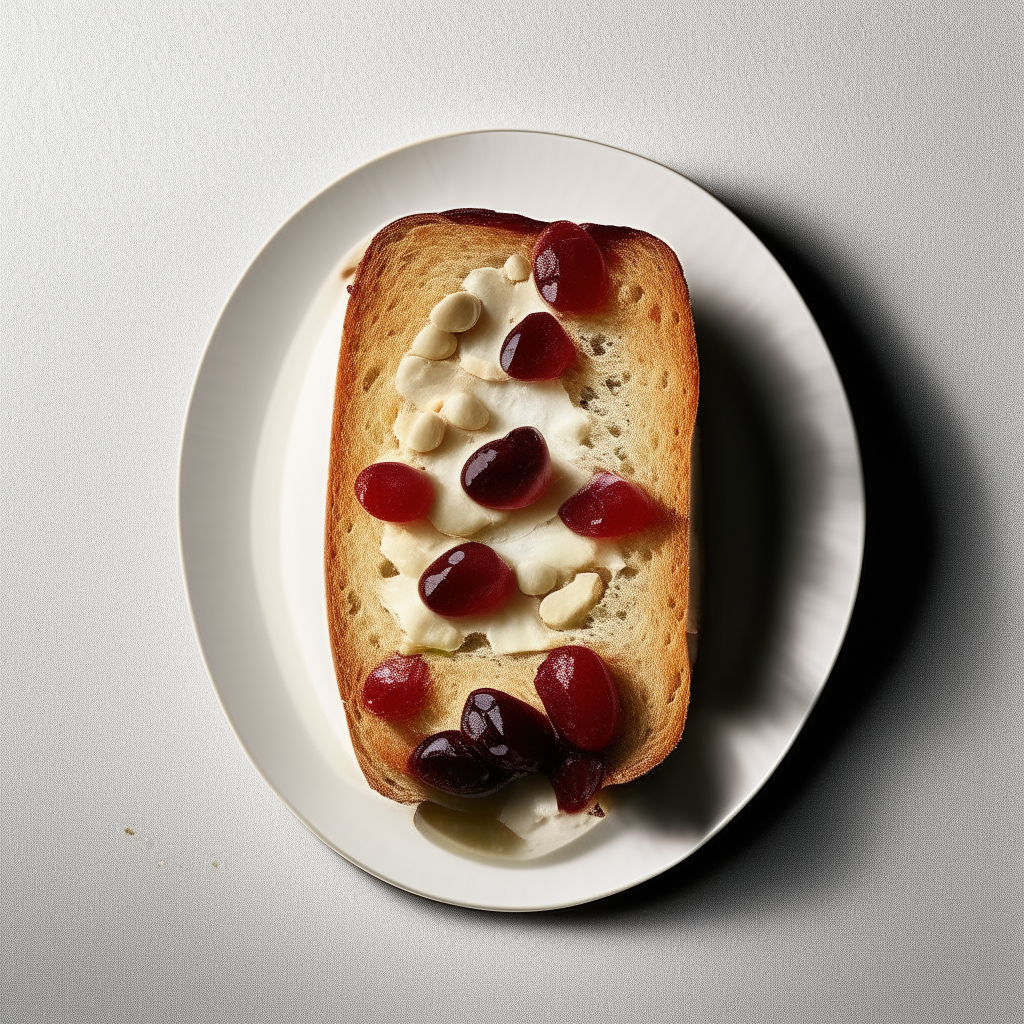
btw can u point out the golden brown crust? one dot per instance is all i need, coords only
(638, 381)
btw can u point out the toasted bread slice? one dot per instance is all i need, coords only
(637, 380)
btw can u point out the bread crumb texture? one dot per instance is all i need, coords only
(637, 380)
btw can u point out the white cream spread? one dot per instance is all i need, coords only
(534, 534)
(522, 822)
(535, 578)
(517, 625)
(432, 343)
(532, 814)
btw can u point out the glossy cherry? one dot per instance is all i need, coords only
(569, 269)
(469, 579)
(576, 778)
(397, 688)
(607, 506)
(506, 731)
(510, 472)
(394, 492)
(580, 697)
(537, 348)
(448, 762)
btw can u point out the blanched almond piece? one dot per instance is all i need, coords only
(535, 578)
(516, 268)
(403, 423)
(456, 312)
(425, 433)
(568, 606)
(465, 411)
(432, 343)
(482, 368)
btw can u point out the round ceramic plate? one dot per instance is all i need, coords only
(781, 501)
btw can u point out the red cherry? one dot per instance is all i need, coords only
(607, 506)
(580, 697)
(576, 778)
(467, 580)
(397, 688)
(394, 492)
(506, 731)
(569, 269)
(448, 763)
(537, 348)
(510, 472)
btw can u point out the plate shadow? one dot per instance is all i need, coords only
(901, 556)
(743, 524)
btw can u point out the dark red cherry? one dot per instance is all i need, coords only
(576, 777)
(607, 506)
(397, 688)
(506, 731)
(570, 271)
(394, 492)
(467, 580)
(537, 348)
(448, 763)
(510, 472)
(580, 697)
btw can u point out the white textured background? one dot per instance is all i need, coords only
(148, 153)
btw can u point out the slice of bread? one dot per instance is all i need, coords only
(637, 380)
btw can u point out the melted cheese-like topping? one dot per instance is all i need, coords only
(517, 625)
(532, 534)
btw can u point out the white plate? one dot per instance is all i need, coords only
(783, 503)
